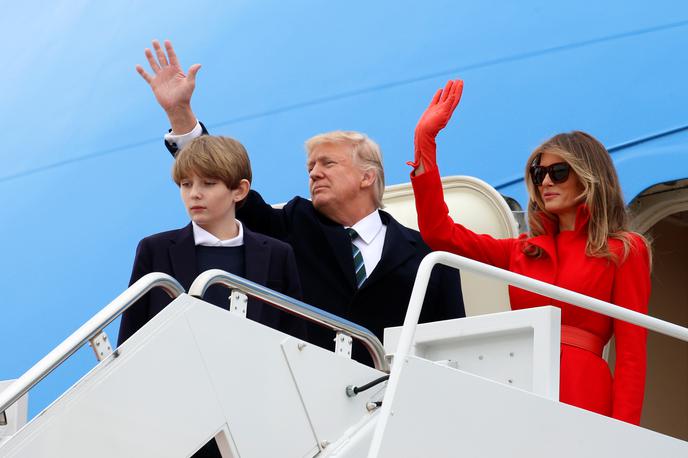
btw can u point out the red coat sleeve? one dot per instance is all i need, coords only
(441, 233)
(631, 290)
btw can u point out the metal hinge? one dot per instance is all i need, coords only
(343, 344)
(238, 302)
(101, 346)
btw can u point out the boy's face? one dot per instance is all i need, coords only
(209, 202)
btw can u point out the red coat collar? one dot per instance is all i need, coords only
(551, 226)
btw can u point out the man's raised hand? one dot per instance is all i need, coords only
(171, 86)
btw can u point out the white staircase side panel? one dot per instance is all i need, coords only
(153, 400)
(443, 412)
(519, 348)
(15, 416)
(190, 373)
(330, 410)
(252, 384)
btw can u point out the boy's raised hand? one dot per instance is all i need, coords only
(171, 86)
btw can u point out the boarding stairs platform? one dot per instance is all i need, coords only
(481, 386)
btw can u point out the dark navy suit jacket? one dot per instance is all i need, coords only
(267, 261)
(325, 264)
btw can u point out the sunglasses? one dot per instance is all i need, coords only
(558, 173)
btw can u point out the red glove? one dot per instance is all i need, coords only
(436, 116)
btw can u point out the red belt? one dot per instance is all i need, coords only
(577, 337)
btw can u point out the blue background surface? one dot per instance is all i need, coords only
(85, 174)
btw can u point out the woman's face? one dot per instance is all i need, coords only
(562, 198)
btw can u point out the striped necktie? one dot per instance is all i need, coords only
(359, 265)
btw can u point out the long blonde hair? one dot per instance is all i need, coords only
(602, 195)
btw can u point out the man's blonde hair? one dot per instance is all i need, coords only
(365, 153)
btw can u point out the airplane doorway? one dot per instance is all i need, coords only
(666, 394)
(661, 212)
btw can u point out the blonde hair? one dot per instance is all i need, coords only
(602, 195)
(365, 153)
(221, 158)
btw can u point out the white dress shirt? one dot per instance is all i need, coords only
(180, 140)
(205, 238)
(370, 240)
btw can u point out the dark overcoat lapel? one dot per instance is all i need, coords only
(256, 258)
(183, 257)
(256, 263)
(340, 244)
(397, 249)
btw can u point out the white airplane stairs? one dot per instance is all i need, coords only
(481, 386)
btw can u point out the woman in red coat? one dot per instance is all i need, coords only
(578, 239)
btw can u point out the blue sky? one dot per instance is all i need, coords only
(85, 175)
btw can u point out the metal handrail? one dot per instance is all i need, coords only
(86, 332)
(295, 307)
(420, 286)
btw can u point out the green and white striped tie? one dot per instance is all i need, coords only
(359, 265)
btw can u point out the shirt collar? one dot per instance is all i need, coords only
(369, 227)
(205, 238)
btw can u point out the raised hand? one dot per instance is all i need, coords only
(433, 120)
(440, 110)
(172, 88)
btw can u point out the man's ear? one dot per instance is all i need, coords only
(368, 178)
(242, 190)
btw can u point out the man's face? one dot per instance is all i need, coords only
(334, 180)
